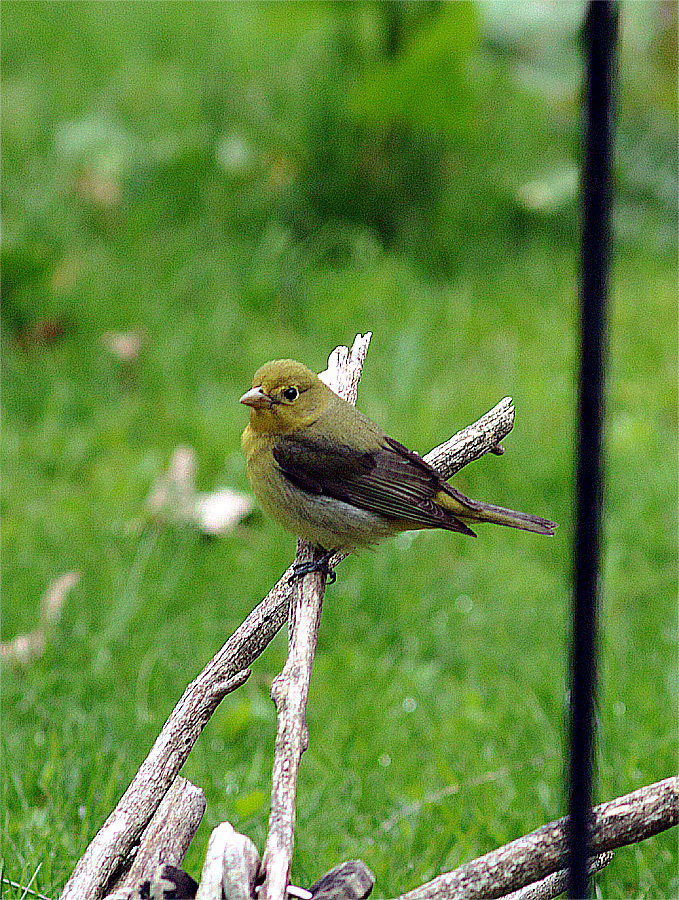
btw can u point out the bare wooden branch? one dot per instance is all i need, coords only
(291, 688)
(231, 866)
(122, 830)
(625, 820)
(240, 867)
(289, 692)
(345, 367)
(111, 847)
(474, 441)
(556, 883)
(168, 835)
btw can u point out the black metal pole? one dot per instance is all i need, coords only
(601, 28)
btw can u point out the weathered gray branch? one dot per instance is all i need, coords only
(625, 820)
(474, 441)
(113, 844)
(168, 834)
(289, 691)
(231, 866)
(291, 688)
(556, 883)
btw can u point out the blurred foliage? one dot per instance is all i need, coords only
(406, 119)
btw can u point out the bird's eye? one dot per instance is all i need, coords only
(290, 393)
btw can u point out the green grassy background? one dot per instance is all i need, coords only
(158, 176)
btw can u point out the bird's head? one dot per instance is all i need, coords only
(285, 396)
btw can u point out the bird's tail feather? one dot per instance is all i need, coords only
(487, 512)
(467, 509)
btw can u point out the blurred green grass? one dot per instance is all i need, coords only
(437, 703)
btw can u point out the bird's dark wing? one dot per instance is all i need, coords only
(389, 480)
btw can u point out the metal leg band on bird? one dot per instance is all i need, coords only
(320, 565)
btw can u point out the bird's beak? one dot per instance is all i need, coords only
(257, 399)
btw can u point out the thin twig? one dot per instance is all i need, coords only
(289, 692)
(450, 790)
(474, 441)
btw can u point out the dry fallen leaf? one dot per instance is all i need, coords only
(173, 498)
(124, 345)
(222, 510)
(173, 494)
(24, 648)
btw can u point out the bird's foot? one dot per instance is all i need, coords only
(320, 565)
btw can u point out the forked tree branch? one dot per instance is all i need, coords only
(536, 860)
(111, 848)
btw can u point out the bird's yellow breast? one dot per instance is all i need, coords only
(319, 519)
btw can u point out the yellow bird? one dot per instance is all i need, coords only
(330, 475)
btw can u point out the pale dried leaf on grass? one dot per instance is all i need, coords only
(25, 648)
(222, 510)
(125, 346)
(173, 498)
(173, 492)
